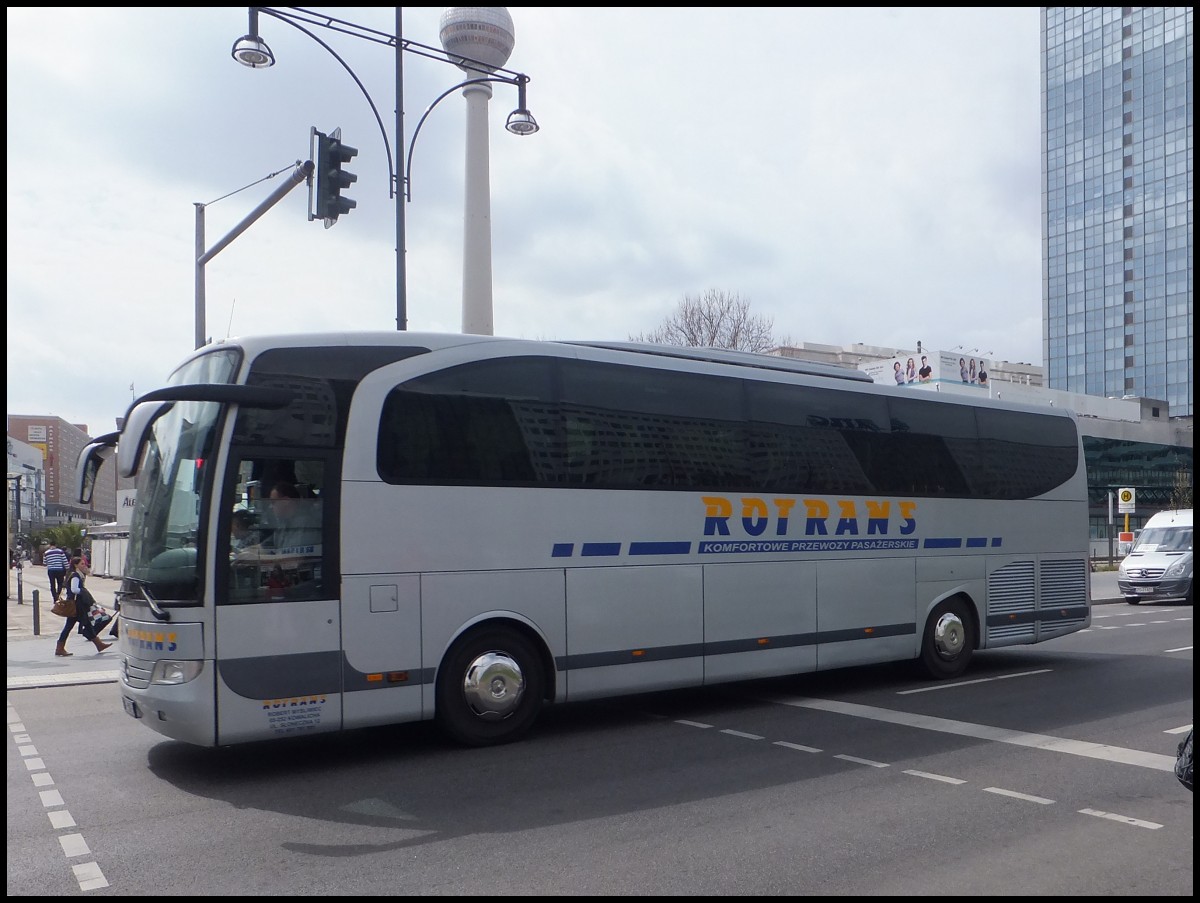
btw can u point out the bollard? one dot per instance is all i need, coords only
(21, 587)
(37, 615)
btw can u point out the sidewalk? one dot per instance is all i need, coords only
(32, 662)
(31, 658)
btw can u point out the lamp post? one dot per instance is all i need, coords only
(252, 51)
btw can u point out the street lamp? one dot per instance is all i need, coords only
(252, 51)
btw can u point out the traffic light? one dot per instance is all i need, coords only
(332, 178)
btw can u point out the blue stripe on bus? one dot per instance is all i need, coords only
(944, 542)
(659, 548)
(593, 549)
(612, 549)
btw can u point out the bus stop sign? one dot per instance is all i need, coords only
(1126, 501)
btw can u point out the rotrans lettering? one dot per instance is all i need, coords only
(757, 515)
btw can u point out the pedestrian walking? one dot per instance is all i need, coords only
(57, 563)
(78, 593)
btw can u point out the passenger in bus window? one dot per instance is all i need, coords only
(297, 521)
(242, 530)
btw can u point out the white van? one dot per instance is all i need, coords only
(1159, 566)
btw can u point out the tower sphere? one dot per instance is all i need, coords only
(483, 33)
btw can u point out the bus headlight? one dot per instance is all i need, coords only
(168, 671)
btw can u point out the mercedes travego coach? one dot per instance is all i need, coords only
(341, 530)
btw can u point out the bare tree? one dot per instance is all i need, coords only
(1181, 490)
(715, 319)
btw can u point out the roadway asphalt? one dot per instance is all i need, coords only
(33, 631)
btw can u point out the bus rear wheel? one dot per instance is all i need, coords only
(490, 687)
(949, 640)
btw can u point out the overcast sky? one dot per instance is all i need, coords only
(857, 175)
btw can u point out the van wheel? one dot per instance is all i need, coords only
(1131, 600)
(949, 640)
(489, 688)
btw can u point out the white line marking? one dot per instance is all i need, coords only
(693, 723)
(54, 798)
(967, 683)
(42, 779)
(985, 732)
(1180, 730)
(89, 876)
(34, 764)
(61, 818)
(27, 750)
(21, 682)
(73, 845)
(1040, 800)
(933, 777)
(1180, 649)
(797, 746)
(1123, 819)
(743, 735)
(859, 761)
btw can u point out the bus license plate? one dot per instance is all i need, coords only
(131, 707)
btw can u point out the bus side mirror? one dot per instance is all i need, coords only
(88, 465)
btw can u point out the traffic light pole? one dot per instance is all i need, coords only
(300, 175)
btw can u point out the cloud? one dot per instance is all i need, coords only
(860, 175)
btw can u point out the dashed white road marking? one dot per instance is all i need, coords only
(859, 761)
(1040, 800)
(986, 732)
(945, 779)
(73, 845)
(967, 683)
(797, 746)
(1123, 819)
(88, 874)
(743, 735)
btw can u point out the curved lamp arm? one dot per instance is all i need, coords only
(529, 126)
(382, 131)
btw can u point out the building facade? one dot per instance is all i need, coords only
(1117, 201)
(26, 487)
(60, 443)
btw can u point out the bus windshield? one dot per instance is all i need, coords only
(165, 527)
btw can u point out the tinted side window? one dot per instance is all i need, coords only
(814, 440)
(1024, 455)
(486, 422)
(925, 448)
(632, 427)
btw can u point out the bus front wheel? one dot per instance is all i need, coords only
(490, 687)
(949, 640)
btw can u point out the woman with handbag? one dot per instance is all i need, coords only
(83, 601)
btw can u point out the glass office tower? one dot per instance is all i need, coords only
(1117, 201)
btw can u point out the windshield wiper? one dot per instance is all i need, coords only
(158, 611)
